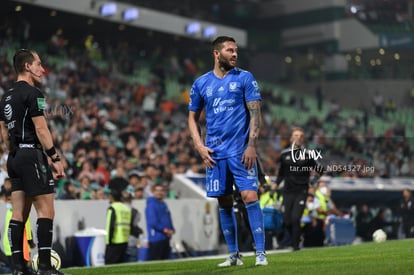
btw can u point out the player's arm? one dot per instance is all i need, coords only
(193, 118)
(45, 138)
(43, 133)
(332, 209)
(281, 173)
(153, 222)
(203, 150)
(4, 134)
(316, 173)
(135, 229)
(110, 224)
(255, 121)
(249, 156)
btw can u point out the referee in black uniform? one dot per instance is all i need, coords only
(295, 166)
(25, 131)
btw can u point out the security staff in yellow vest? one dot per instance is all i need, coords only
(323, 205)
(323, 202)
(118, 228)
(270, 199)
(27, 234)
(309, 212)
(312, 228)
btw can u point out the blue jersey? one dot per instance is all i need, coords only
(227, 117)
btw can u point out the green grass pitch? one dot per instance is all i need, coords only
(391, 257)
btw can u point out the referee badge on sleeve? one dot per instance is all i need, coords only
(41, 104)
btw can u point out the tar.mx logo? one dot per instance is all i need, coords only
(304, 153)
(63, 111)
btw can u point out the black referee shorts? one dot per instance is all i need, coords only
(29, 172)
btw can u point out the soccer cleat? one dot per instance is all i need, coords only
(50, 272)
(261, 259)
(233, 259)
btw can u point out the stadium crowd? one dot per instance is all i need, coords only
(113, 128)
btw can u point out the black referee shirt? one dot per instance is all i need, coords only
(295, 168)
(17, 107)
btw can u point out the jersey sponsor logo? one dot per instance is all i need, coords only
(8, 111)
(10, 125)
(8, 114)
(41, 103)
(218, 105)
(221, 109)
(216, 101)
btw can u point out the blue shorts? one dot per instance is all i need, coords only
(225, 173)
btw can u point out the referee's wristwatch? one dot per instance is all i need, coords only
(56, 159)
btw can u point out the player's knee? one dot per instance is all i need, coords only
(249, 196)
(46, 213)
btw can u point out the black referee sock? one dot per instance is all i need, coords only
(44, 237)
(16, 229)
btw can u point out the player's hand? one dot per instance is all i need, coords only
(249, 157)
(205, 152)
(168, 232)
(58, 172)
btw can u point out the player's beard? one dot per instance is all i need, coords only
(225, 64)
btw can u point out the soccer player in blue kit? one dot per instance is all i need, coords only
(231, 99)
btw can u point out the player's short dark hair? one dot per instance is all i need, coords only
(116, 194)
(21, 57)
(217, 44)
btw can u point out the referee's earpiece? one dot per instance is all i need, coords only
(30, 70)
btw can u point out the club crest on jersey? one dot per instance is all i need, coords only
(209, 91)
(232, 86)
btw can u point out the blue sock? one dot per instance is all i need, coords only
(229, 228)
(256, 224)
